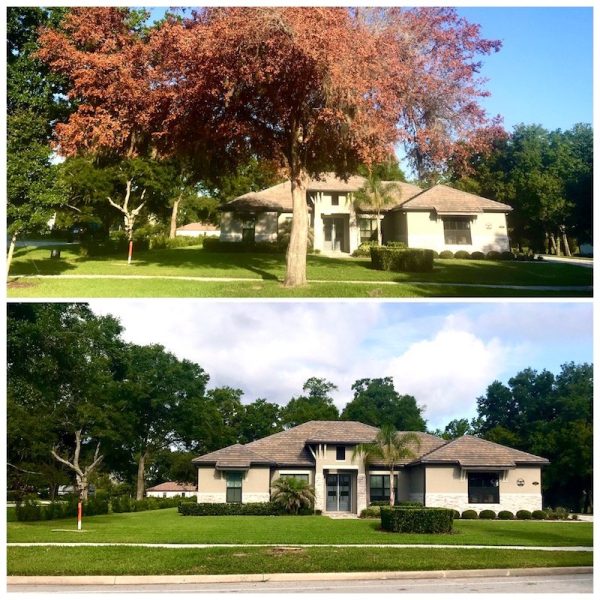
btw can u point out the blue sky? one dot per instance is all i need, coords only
(543, 73)
(445, 354)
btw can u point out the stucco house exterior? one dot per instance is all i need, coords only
(171, 489)
(198, 230)
(464, 473)
(439, 218)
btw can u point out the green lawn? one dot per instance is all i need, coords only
(264, 272)
(154, 561)
(167, 526)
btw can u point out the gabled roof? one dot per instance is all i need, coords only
(279, 197)
(173, 486)
(469, 451)
(198, 227)
(446, 200)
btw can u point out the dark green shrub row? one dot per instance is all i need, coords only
(523, 515)
(404, 503)
(31, 509)
(216, 245)
(123, 504)
(477, 255)
(251, 508)
(469, 514)
(111, 247)
(505, 515)
(487, 514)
(164, 242)
(412, 260)
(416, 520)
(373, 512)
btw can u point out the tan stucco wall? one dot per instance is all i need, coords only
(330, 460)
(231, 227)
(323, 206)
(266, 227)
(426, 230)
(212, 485)
(288, 472)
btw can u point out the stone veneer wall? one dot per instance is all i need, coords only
(460, 502)
(319, 491)
(361, 492)
(255, 496)
(211, 497)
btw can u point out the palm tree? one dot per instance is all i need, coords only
(390, 448)
(376, 194)
(292, 494)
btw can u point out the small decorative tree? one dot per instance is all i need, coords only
(390, 448)
(292, 494)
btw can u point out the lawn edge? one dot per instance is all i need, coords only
(263, 577)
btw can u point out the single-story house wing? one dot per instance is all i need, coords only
(171, 489)
(464, 473)
(439, 218)
(198, 230)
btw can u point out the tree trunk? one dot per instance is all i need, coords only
(11, 249)
(296, 253)
(565, 241)
(392, 491)
(553, 245)
(140, 486)
(174, 210)
(82, 487)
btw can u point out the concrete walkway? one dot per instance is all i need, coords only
(533, 288)
(574, 260)
(205, 546)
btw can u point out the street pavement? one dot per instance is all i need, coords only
(535, 584)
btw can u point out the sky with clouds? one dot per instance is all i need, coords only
(445, 354)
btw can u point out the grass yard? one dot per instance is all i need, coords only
(167, 526)
(155, 561)
(328, 277)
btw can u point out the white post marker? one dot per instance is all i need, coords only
(79, 514)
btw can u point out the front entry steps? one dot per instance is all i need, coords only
(340, 515)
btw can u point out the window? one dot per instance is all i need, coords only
(299, 476)
(379, 486)
(164, 494)
(484, 488)
(340, 453)
(335, 200)
(234, 487)
(457, 231)
(368, 230)
(248, 229)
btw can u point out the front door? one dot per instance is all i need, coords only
(339, 492)
(333, 233)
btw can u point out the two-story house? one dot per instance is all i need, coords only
(440, 218)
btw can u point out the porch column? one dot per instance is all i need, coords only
(361, 488)
(319, 479)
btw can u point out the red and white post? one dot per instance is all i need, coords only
(130, 252)
(79, 515)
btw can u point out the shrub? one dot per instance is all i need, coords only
(162, 242)
(493, 255)
(29, 509)
(463, 254)
(487, 514)
(435, 254)
(216, 245)
(559, 513)
(204, 509)
(477, 255)
(507, 255)
(416, 520)
(400, 245)
(364, 250)
(506, 515)
(456, 514)
(293, 494)
(403, 504)
(524, 515)
(412, 260)
(469, 514)
(446, 254)
(379, 503)
(373, 512)
(122, 504)
(539, 515)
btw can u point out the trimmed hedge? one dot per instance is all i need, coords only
(364, 250)
(524, 514)
(487, 514)
(446, 254)
(212, 244)
(505, 515)
(32, 510)
(493, 255)
(462, 254)
(164, 242)
(403, 504)
(455, 513)
(477, 255)
(469, 514)
(373, 512)
(205, 509)
(124, 504)
(416, 520)
(412, 260)
(539, 515)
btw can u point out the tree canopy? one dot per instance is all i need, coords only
(316, 405)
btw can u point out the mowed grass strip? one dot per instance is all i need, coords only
(162, 561)
(167, 526)
(195, 261)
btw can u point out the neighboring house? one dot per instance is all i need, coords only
(464, 473)
(170, 489)
(198, 230)
(440, 218)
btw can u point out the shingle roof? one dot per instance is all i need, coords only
(173, 486)
(236, 456)
(198, 227)
(444, 199)
(469, 451)
(279, 197)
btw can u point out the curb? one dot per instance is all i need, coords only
(264, 577)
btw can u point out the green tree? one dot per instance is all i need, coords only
(292, 494)
(389, 170)
(455, 429)
(259, 419)
(376, 402)
(316, 405)
(62, 361)
(375, 195)
(35, 101)
(391, 449)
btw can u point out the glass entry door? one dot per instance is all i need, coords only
(333, 233)
(339, 493)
